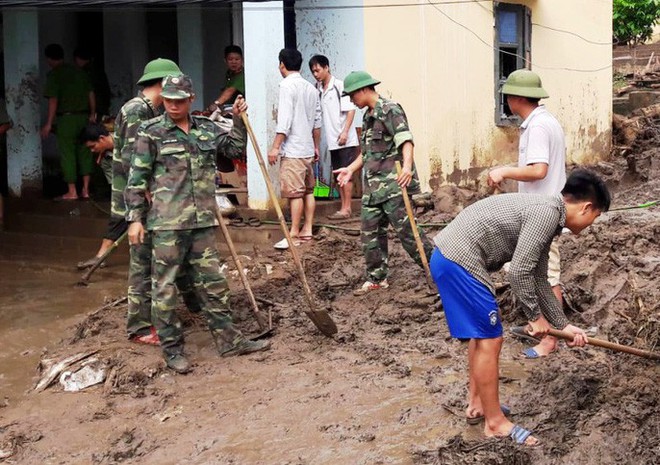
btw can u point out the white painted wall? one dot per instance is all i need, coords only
(263, 24)
(329, 28)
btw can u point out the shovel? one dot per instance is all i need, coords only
(418, 240)
(320, 318)
(84, 281)
(605, 344)
(266, 330)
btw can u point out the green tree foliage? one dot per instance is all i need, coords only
(633, 20)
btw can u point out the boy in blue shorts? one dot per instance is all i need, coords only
(518, 228)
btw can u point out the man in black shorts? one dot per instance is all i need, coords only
(340, 133)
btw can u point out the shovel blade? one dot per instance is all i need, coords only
(323, 322)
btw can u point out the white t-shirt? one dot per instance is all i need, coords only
(298, 114)
(542, 141)
(335, 109)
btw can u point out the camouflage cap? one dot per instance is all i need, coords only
(177, 87)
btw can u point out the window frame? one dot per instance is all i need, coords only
(523, 49)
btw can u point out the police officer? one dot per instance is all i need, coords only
(385, 139)
(175, 160)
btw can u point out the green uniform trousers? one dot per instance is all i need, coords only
(375, 220)
(138, 322)
(173, 250)
(75, 159)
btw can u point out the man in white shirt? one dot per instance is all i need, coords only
(340, 133)
(541, 165)
(297, 143)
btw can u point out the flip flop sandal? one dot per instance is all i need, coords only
(478, 419)
(305, 238)
(521, 332)
(531, 353)
(520, 435)
(339, 216)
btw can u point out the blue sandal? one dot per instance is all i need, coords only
(531, 352)
(520, 435)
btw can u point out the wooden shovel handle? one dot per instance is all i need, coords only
(325, 324)
(85, 279)
(607, 345)
(237, 261)
(413, 225)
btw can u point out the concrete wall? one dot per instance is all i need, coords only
(22, 95)
(337, 33)
(443, 75)
(124, 30)
(263, 24)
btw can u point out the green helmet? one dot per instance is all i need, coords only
(158, 69)
(524, 83)
(357, 80)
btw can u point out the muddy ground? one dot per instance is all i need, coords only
(390, 387)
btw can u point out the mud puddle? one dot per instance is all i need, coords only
(37, 304)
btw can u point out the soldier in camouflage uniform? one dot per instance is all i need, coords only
(175, 160)
(385, 139)
(145, 106)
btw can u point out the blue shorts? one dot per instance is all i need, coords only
(470, 308)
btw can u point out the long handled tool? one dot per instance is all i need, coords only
(418, 240)
(320, 318)
(266, 329)
(606, 344)
(84, 281)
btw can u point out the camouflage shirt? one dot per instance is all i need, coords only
(179, 171)
(384, 130)
(132, 114)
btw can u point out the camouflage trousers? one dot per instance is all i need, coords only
(138, 321)
(375, 220)
(193, 248)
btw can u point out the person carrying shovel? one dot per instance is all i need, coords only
(517, 228)
(175, 160)
(386, 139)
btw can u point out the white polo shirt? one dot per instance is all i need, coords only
(335, 110)
(542, 141)
(298, 114)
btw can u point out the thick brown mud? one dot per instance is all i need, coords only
(389, 388)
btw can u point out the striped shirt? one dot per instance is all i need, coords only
(510, 227)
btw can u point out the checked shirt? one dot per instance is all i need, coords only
(510, 227)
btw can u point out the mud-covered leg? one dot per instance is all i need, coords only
(190, 291)
(395, 210)
(138, 321)
(374, 242)
(170, 250)
(205, 263)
